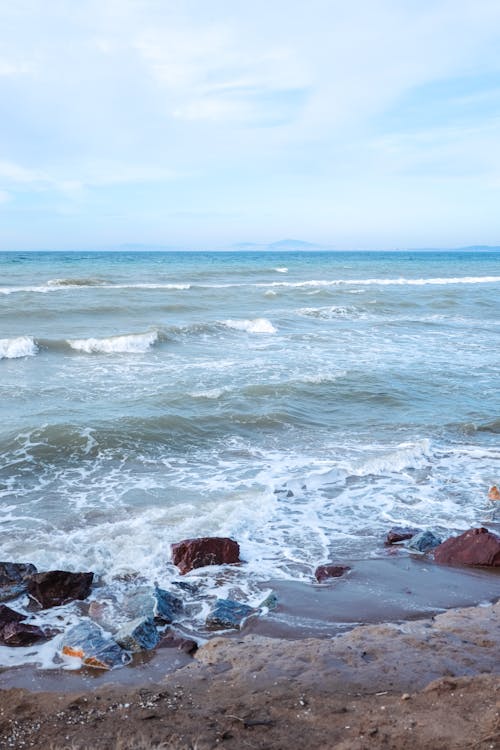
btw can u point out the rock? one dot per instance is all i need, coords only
(102, 614)
(156, 603)
(474, 547)
(400, 534)
(227, 614)
(59, 587)
(423, 542)
(494, 493)
(138, 635)
(22, 634)
(323, 572)
(13, 579)
(9, 615)
(270, 602)
(196, 553)
(171, 639)
(87, 642)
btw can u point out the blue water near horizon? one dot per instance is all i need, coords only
(300, 402)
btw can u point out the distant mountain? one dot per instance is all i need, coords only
(290, 244)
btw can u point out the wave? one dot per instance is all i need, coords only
(384, 282)
(133, 343)
(281, 270)
(329, 312)
(22, 346)
(75, 282)
(259, 325)
(55, 285)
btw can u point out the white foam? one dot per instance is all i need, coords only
(386, 282)
(22, 346)
(133, 343)
(259, 325)
(281, 270)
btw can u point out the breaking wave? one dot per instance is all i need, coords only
(22, 346)
(133, 343)
(259, 325)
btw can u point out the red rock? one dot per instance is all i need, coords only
(494, 493)
(59, 587)
(399, 534)
(196, 553)
(323, 572)
(474, 547)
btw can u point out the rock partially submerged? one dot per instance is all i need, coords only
(138, 635)
(23, 634)
(324, 572)
(196, 553)
(156, 603)
(400, 534)
(57, 587)
(14, 579)
(474, 547)
(87, 642)
(494, 493)
(423, 542)
(171, 639)
(228, 614)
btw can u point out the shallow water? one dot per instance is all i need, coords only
(301, 403)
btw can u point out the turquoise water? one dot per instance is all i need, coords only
(299, 402)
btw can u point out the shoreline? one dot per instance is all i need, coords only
(433, 680)
(404, 678)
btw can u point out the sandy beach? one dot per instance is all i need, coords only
(400, 680)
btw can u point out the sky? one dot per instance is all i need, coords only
(373, 124)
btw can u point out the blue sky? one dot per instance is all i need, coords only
(201, 123)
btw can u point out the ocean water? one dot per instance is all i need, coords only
(301, 403)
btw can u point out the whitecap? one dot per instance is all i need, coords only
(133, 343)
(259, 325)
(281, 270)
(22, 346)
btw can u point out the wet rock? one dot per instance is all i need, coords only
(8, 615)
(59, 587)
(196, 553)
(87, 642)
(138, 635)
(423, 542)
(323, 572)
(22, 634)
(171, 639)
(270, 602)
(13, 579)
(494, 493)
(102, 614)
(227, 614)
(400, 534)
(156, 603)
(474, 547)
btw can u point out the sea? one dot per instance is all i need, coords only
(301, 403)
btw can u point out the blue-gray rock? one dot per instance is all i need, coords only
(227, 614)
(423, 542)
(153, 603)
(87, 642)
(138, 635)
(14, 579)
(270, 602)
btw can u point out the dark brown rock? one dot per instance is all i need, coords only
(400, 534)
(323, 572)
(59, 587)
(9, 615)
(171, 639)
(21, 634)
(474, 547)
(196, 553)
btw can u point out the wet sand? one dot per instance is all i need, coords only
(305, 675)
